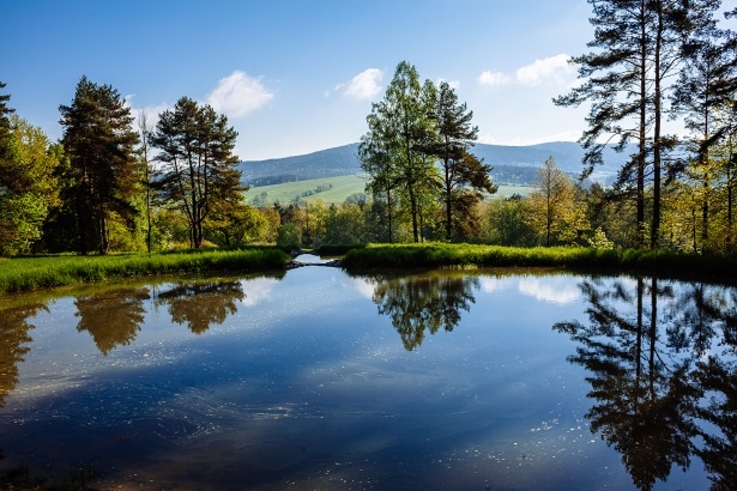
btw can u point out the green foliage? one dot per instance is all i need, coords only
(199, 169)
(434, 255)
(103, 175)
(463, 176)
(8, 179)
(24, 207)
(290, 236)
(506, 223)
(395, 151)
(20, 225)
(599, 240)
(23, 274)
(552, 205)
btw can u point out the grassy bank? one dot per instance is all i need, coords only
(666, 263)
(31, 273)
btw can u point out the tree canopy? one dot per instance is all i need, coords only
(199, 168)
(100, 143)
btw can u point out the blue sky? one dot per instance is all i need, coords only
(296, 76)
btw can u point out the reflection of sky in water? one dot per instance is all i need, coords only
(305, 386)
(258, 290)
(561, 290)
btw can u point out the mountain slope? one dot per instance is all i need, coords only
(511, 164)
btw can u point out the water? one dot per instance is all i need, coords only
(319, 380)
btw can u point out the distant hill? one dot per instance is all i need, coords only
(515, 165)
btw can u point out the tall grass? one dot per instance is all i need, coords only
(433, 255)
(24, 274)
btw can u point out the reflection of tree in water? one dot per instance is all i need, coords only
(14, 338)
(645, 349)
(716, 376)
(113, 318)
(202, 304)
(719, 451)
(419, 303)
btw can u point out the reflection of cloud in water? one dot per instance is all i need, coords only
(364, 287)
(491, 285)
(553, 290)
(257, 290)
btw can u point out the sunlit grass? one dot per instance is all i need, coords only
(31, 273)
(435, 255)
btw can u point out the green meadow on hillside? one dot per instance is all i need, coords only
(340, 188)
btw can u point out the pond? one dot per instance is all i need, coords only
(316, 379)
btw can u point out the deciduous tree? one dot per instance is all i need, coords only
(395, 150)
(552, 201)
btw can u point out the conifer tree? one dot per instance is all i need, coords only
(638, 46)
(199, 167)
(463, 175)
(9, 178)
(100, 143)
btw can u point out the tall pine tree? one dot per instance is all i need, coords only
(199, 167)
(463, 175)
(10, 179)
(638, 47)
(100, 143)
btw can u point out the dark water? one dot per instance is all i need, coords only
(320, 380)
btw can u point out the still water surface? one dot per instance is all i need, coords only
(320, 380)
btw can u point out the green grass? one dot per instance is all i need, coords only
(31, 273)
(507, 191)
(34, 273)
(434, 255)
(343, 187)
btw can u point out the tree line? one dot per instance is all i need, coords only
(651, 61)
(98, 189)
(110, 184)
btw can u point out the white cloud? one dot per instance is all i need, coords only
(494, 79)
(554, 68)
(238, 94)
(363, 86)
(152, 113)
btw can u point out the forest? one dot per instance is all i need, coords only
(115, 184)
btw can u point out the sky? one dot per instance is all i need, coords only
(298, 76)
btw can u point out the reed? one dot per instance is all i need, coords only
(31, 273)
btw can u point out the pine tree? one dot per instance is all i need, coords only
(100, 142)
(463, 175)
(196, 149)
(10, 180)
(638, 46)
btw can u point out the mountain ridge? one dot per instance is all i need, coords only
(511, 164)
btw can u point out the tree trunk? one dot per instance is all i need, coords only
(640, 238)
(655, 226)
(448, 204)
